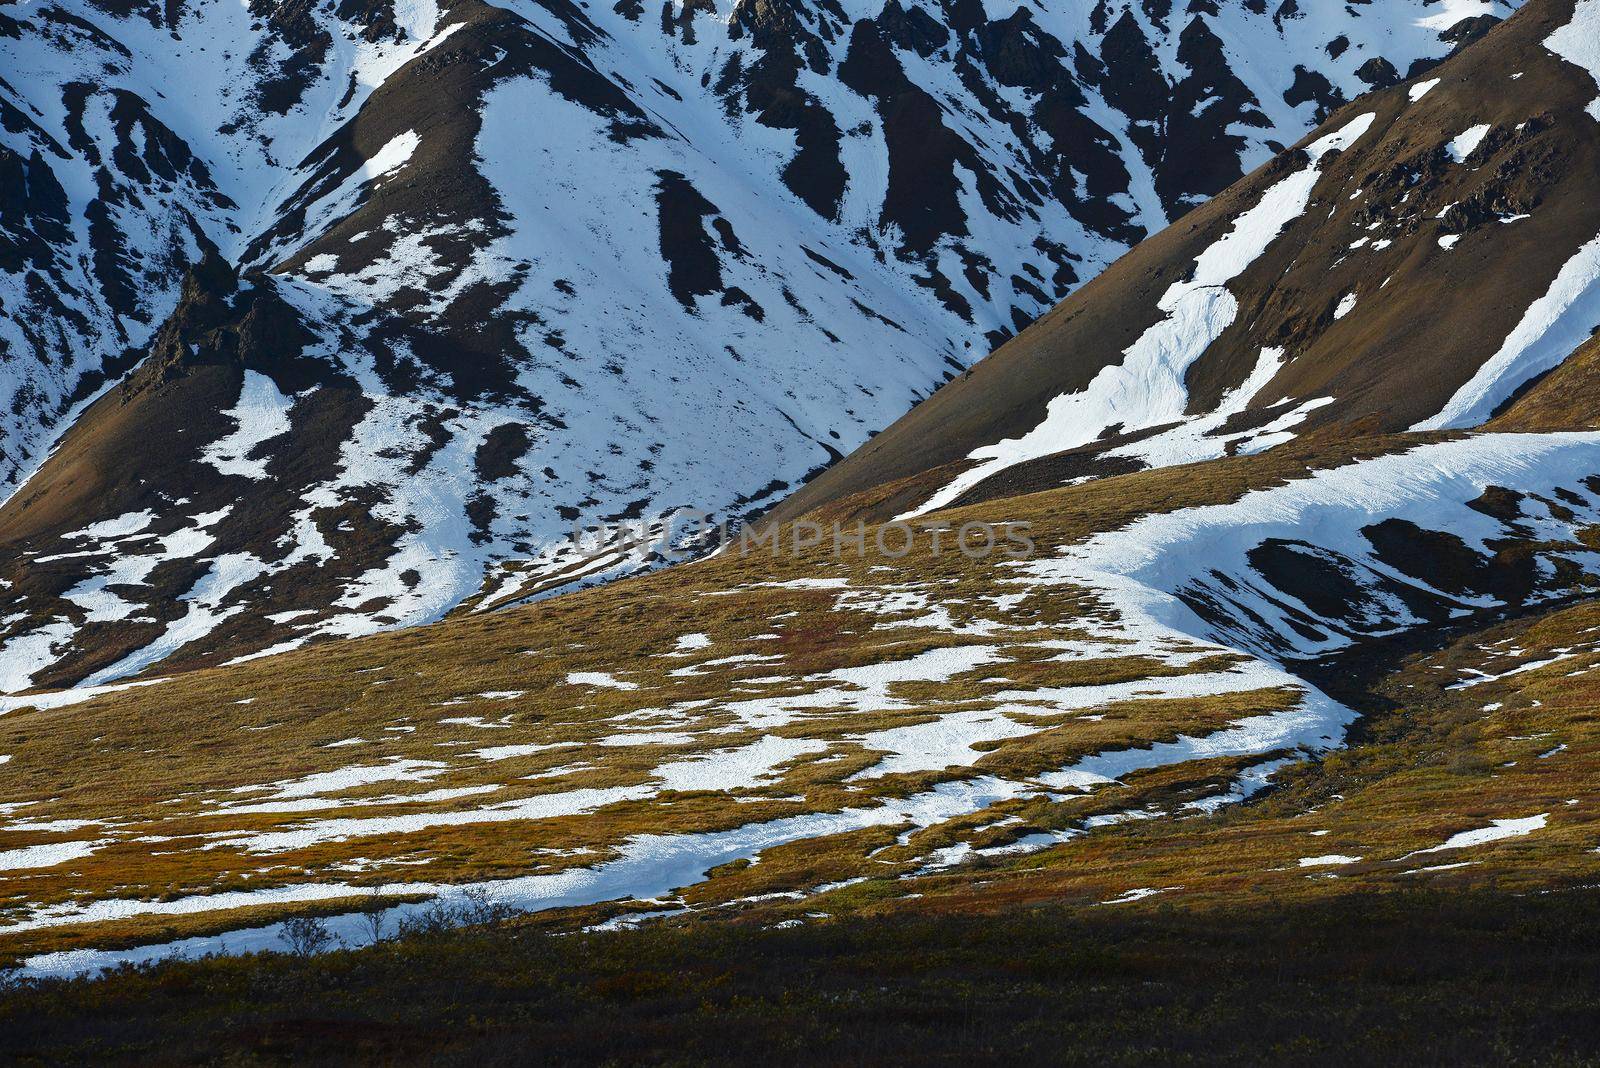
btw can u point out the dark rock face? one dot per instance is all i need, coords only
(482, 273)
(1378, 72)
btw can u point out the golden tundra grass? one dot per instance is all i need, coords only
(1428, 762)
(156, 762)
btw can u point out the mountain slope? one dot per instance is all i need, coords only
(493, 273)
(1417, 262)
(1182, 640)
(1364, 656)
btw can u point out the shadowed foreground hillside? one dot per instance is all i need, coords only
(1448, 979)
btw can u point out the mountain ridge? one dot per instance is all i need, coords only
(1293, 357)
(619, 330)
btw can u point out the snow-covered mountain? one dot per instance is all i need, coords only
(1310, 482)
(328, 312)
(1420, 262)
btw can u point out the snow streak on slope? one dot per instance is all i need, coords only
(1579, 42)
(1147, 388)
(1551, 329)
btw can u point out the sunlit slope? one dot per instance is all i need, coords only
(1178, 641)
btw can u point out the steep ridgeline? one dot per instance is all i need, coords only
(1417, 263)
(417, 288)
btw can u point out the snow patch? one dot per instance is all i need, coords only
(262, 414)
(1578, 42)
(736, 769)
(1497, 831)
(45, 856)
(603, 679)
(1466, 143)
(1421, 89)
